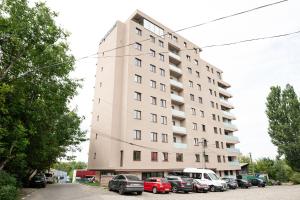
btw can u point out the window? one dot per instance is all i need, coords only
(222, 145)
(209, 79)
(188, 57)
(137, 134)
(153, 100)
(152, 38)
(194, 126)
(138, 31)
(203, 128)
(138, 46)
(161, 57)
(224, 160)
(220, 131)
(201, 113)
(210, 91)
(163, 103)
(163, 120)
(179, 157)
(98, 117)
(197, 156)
(100, 84)
(165, 156)
(215, 130)
(207, 68)
(175, 38)
(137, 96)
(137, 114)
(205, 143)
(217, 145)
(153, 137)
(153, 28)
(191, 84)
(198, 74)
(164, 138)
(170, 35)
(213, 116)
(196, 50)
(196, 141)
(152, 52)
(214, 81)
(196, 62)
(99, 100)
(162, 87)
(192, 97)
(212, 70)
(153, 118)
(161, 43)
(95, 155)
(137, 62)
(96, 136)
(199, 87)
(206, 158)
(153, 156)
(152, 83)
(200, 100)
(162, 72)
(152, 68)
(137, 78)
(174, 139)
(212, 104)
(219, 75)
(190, 70)
(218, 118)
(185, 44)
(121, 158)
(219, 159)
(136, 155)
(193, 111)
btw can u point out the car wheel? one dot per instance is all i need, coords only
(121, 190)
(154, 190)
(139, 193)
(212, 188)
(167, 192)
(186, 192)
(174, 189)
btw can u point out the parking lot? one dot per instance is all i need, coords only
(83, 192)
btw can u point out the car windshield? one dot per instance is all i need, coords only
(132, 178)
(213, 176)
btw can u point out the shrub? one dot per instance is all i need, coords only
(295, 178)
(6, 179)
(8, 187)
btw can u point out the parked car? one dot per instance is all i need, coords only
(50, 178)
(243, 183)
(39, 180)
(208, 177)
(231, 183)
(179, 184)
(124, 183)
(258, 182)
(156, 185)
(198, 186)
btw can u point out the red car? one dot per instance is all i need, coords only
(156, 185)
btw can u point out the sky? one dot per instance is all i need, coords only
(250, 68)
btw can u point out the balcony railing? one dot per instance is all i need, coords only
(180, 145)
(231, 138)
(175, 69)
(225, 92)
(179, 130)
(178, 113)
(176, 83)
(233, 150)
(173, 55)
(234, 163)
(228, 114)
(177, 98)
(229, 126)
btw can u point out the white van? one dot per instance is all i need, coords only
(208, 177)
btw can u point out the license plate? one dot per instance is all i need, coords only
(188, 184)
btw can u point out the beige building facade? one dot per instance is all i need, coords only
(158, 107)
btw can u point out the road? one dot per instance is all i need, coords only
(83, 192)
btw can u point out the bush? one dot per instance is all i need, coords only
(295, 178)
(8, 192)
(8, 187)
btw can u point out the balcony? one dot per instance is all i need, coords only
(233, 150)
(175, 69)
(177, 98)
(228, 115)
(176, 84)
(180, 145)
(225, 92)
(230, 126)
(175, 56)
(232, 139)
(234, 163)
(226, 103)
(179, 130)
(178, 114)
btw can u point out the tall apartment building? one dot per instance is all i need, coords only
(158, 107)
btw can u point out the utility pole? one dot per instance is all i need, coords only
(251, 162)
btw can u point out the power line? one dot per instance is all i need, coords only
(201, 24)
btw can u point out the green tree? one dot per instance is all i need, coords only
(69, 167)
(283, 111)
(264, 165)
(36, 124)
